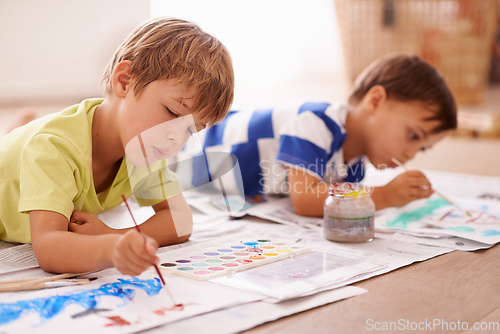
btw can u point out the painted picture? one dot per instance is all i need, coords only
(473, 219)
(114, 304)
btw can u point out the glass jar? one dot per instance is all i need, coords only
(349, 213)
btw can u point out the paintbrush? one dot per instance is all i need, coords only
(34, 283)
(156, 267)
(397, 162)
(42, 285)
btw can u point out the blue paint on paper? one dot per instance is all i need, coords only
(50, 306)
(490, 233)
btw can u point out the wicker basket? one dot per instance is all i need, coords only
(455, 36)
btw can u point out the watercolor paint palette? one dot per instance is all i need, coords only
(230, 257)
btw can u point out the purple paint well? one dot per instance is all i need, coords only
(225, 250)
(211, 253)
(183, 261)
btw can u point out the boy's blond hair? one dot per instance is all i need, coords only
(165, 48)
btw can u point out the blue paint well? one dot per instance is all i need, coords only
(490, 233)
(251, 243)
(50, 306)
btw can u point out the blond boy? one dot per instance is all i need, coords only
(167, 80)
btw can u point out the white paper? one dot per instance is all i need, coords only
(215, 204)
(17, 258)
(114, 304)
(246, 316)
(119, 217)
(455, 243)
(300, 275)
(5, 244)
(280, 210)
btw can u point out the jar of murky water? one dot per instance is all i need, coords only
(349, 213)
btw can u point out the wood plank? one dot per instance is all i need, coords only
(486, 325)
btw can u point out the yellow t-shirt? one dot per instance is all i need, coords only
(47, 165)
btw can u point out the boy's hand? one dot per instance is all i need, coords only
(406, 187)
(134, 252)
(87, 223)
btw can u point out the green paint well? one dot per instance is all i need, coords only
(465, 229)
(403, 219)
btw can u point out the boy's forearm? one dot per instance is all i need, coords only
(310, 201)
(379, 197)
(169, 227)
(64, 251)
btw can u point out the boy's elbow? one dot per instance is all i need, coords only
(185, 229)
(306, 210)
(304, 206)
(180, 231)
(174, 240)
(46, 265)
(183, 238)
(300, 210)
(43, 257)
(298, 206)
(48, 262)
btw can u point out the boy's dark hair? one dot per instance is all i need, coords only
(408, 78)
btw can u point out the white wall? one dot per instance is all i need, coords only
(282, 50)
(57, 49)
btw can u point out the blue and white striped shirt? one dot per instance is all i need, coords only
(267, 141)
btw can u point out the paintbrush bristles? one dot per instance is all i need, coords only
(397, 162)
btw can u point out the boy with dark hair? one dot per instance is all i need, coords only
(399, 105)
